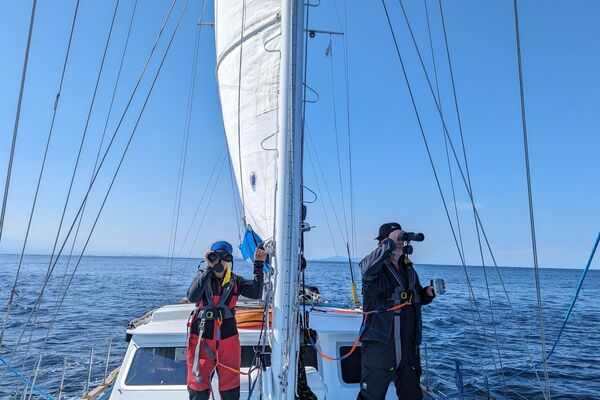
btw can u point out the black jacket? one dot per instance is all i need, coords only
(377, 287)
(245, 287)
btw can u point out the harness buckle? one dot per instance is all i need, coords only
(402, 296)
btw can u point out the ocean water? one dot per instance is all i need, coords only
(107, 292)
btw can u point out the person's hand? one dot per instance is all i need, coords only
(260, 255)
(395, 236)
(429, 291)
(209, 265)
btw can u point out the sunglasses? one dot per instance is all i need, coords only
(214, 256)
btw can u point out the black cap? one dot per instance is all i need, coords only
(386, 229)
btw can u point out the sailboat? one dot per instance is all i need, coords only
(289, 343)
(260, 59)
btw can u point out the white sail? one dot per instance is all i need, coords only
(250, 100)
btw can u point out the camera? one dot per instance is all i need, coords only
(412, 236)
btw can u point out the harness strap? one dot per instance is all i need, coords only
(196, 365)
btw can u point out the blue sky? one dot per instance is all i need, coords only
(391, 173)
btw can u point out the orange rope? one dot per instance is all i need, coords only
(355, 345)
(340, 311)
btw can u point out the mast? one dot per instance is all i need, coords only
(285, 339)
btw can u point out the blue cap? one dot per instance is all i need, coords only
(223, 246)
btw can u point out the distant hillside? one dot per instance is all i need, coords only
(335, 259)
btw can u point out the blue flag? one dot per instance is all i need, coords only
(249, 245)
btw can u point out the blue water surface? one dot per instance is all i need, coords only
(107, 292)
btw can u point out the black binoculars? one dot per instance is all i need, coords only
(214, 256)
(412, 236)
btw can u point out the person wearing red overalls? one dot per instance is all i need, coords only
(213, 340)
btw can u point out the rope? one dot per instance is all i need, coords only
(467, 183)
(568, 313)
(27, 382)
(16, 125)
(497, 341)
(329, 54)
(312, 164)
(38, 300)
(83, 137)
(208, 183)
(439, 99)
(536, 268)
(205, 211)
(430, 157)
(110, 108)
(348, 124)
(41, 173)
(184, 148)
(362, 328)
(468, 188)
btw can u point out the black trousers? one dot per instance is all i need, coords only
(232, 394)
(379, 370)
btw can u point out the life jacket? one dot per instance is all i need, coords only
(214, 309)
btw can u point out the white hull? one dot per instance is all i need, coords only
(167, 328)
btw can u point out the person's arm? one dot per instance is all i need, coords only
(196, 289)
(253, 288)
(372, 263)
(426, 293)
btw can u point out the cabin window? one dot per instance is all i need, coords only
(158, 366)
(351, 366)
(167, 365)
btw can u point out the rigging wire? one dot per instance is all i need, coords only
(115, 174)
(426, 143)
(439, 99)
(438, 102)
(212, 192)
(131, 136)
(468, 185)
(536, 268)
(348, 123)
(16, 125)
(469, 192)
(40, 175)
(110, 108)
(75, 168)
(185, 142)
(208, 183)
(312, 164)
(329, 54)
(318, 164)
(475, 216)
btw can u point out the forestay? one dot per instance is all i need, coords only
(250, 99)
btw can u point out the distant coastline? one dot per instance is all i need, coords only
(326, 260)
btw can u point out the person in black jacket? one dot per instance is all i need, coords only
(390, 340)
(213, 340)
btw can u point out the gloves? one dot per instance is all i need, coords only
(258, 267)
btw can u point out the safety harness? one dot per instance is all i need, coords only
(210, 312)
(400, 295)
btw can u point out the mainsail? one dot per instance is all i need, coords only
(248, 36)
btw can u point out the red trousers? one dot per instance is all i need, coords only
(225, 353)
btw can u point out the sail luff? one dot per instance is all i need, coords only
(285, 341)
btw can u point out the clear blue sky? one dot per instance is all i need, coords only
(392, 176)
